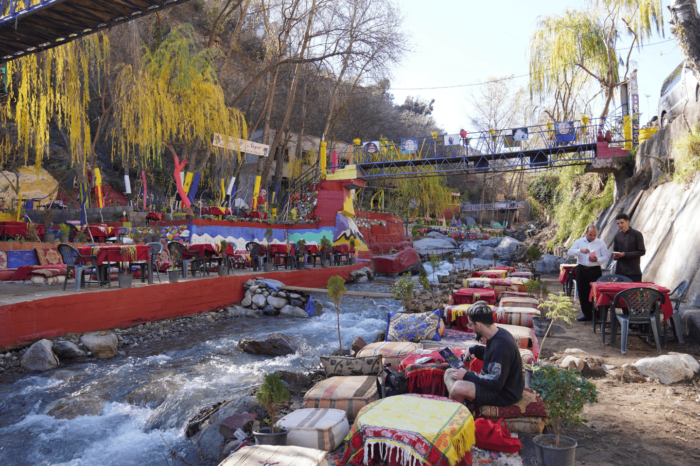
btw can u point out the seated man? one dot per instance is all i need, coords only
(501, 380)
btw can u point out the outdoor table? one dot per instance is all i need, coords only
(603, 294)
(472, 295)
(428, 378)
(282, 251)
(567, 275)
(99, 233)
(256, 214)
(220, 211)
(107, 254)
(19, 229)
(211, 250)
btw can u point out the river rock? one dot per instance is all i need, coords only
(277, 303)
(429, 244)
(572, 362)
(276, 344)
(232, 423)
(292, 311)
(101, 344)
(252, 313)
(152, 394)
(506, 248)
(297, 302)
(39, 357)
(247, 301)
(270, 311)
(67, 350)
(70, 408)
(548, 264)
(357, 344)
(362, 279)
(669, 368)
(440, 236)
(296, 295)
(485, 253)
(259, 300)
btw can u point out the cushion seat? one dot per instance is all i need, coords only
(527, 416)
(349, 394)
(322, 429)
(392, 352)
(258, 455)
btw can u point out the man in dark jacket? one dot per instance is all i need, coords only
(500, 382)
(628, 248)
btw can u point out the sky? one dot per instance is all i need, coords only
(458, 42)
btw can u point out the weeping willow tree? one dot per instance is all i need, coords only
(587, 40)
(422, 196)
(48, 88)
(175, 101)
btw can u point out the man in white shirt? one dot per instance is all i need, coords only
(590, 252)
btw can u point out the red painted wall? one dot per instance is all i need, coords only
(383, 239)
(89, 311)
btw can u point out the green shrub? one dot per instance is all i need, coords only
(686, 155)
(423, 280)
(272, 394)
(402, 289)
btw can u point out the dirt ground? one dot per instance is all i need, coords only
(635, 422)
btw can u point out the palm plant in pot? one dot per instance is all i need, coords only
(325, 252)
(65, 232)
(125, 277)
(268, 237)
(273, 395)
(299, 249)
(564, 393)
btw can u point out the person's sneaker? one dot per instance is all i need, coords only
(584, 319)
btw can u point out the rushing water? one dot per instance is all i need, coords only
(202, 367)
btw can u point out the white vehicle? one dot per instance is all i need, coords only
(680, 88)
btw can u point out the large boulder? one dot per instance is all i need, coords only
(276, 344)
(39, 357)
(101, 344)
(669, 368)
(549, 264)
(292, 311)
(259, 300)
(430, 244)
(397, 263)
(507, 247)
(70, 408)
(485, 253)
(277, 303)
(435, 234)
(357, 344)
(67, 350)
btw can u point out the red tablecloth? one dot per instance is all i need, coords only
(567, 271)
(256, 214)
(217, 211)
(99, 232)
(114, 254)
(19, 229)
(472, 295)
(281, 249)
(208, 249)
(603, 294)
(343, 248)
(155, 216)
(487, 274)
(427, 378)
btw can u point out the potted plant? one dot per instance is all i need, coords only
(536, 288)
(564, 393)
(125, 277)
(336, 290)
(300, 248)
(325, 252)
(434, 264)
(268, 236)
(557, 307)
(47, 216)
(423, 280)
(221, 268)
(173, 272)
(273, 395)
(495, 259)
(65, 232)
(353, 243)
(402, 290)
(533, 255)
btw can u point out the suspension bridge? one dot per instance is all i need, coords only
(31, 26)
(527, 148)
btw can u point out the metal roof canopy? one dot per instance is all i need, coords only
(31, 26)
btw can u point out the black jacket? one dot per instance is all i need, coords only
(502, 371)
(632, 244)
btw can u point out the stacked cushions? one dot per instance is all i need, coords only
(507, 301)
(349, 394)
(401, 326)
(342, 366)
(322, 429)
(392, 353)
(528, 415)
(258, 455)
(519, 316)
(527, 356)
(514, 294)
(524, 337)
(49, 256)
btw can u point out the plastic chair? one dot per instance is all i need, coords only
(256, 260)
(286, 257)
(610, 278)
(70, 257)
(644, 307)
(121, 233)
(156, 249)
(338, 254)
(677, 296)
(178, 250)
(320, 255)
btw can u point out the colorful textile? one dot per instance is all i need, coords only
(603, 294)
(527, 356)
(527, 275)
(507, 268)
(477, 282)
(495, 458)
(457, 335)
(3, 260)
(49, 256)
(268, 455)
(26, 272)
(402, 326)
(456, 311)
(528, 425)
(442, 435)
(472, 295)
(49, 271)
(566, 272)
(507, 301)
(344, 366)
(529, 405)
(490, 273)
(514, 294)
(428, 378)
(392, 353)
(493, 435)
(519, 316)
(19, 229)
(501, 282)
(350, 394)
(518, 283)
(322, 429)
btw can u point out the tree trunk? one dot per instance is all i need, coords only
(266, 130)
(685, 25)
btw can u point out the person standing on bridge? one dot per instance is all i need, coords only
(628, 248)
(590, 252)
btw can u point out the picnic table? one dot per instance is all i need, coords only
(603, 294)
(18, 229)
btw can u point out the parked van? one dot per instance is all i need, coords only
(680, 88)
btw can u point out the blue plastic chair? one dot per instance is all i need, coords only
(70, 257)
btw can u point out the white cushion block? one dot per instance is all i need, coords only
(319, 428)
(259, 455)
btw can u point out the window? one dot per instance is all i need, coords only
(672, 80)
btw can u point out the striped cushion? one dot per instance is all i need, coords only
(514, 294)
(322, 429)
(524, 337)
(349, 394)
(258, 455)
(519, 316)
(527, 356)
(392, 352)
(519, 302)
